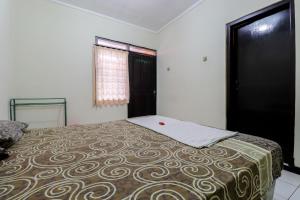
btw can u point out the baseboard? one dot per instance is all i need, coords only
(293, 169)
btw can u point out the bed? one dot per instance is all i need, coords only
(122, 160)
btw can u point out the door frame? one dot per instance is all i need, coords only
(230, 61)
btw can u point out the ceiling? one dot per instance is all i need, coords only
(149, 14)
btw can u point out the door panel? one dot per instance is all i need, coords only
(261, 94)
(142, 78)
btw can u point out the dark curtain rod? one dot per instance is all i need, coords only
(111, 47)
(143, 54)
(128, 44)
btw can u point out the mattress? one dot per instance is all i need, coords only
(121, 160)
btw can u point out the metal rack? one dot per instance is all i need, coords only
(13, 103)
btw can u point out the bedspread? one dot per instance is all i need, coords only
(120, 160)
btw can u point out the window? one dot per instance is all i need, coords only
(142, 50)
(124, 46)
(111, 44)
(111, 84)
(111, 76)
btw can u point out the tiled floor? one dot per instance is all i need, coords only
(287, 187)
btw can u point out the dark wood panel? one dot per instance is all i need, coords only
(142, 76)
(261, 75)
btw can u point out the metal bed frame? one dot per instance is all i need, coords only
(15, 102)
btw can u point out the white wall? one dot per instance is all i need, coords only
(6, 84)
(53, 44)
(195, 90)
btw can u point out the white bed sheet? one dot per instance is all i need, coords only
(189, 133)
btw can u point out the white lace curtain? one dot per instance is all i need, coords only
(111, 76)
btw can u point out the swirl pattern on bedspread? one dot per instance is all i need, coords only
(120, 160)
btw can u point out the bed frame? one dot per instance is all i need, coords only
(13, 103)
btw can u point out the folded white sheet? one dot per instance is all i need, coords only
(188, 133)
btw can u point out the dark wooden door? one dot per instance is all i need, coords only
(261, 76)
(142, 80)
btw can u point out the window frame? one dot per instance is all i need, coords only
(112, 44)
(127, 47)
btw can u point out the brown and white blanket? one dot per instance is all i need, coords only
(120, 160)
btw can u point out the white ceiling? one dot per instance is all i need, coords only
(149, 14)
